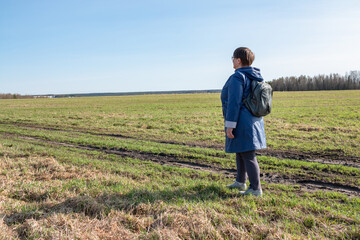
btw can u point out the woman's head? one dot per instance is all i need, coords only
(243, 57)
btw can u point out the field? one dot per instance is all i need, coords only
(153, 167)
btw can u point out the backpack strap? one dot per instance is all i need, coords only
(245, 83)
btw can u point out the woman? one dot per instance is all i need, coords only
(245, 133)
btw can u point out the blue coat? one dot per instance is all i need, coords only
(249, 130)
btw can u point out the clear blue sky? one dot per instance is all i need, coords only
(82, 46)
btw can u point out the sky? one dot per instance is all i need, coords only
(88, 46)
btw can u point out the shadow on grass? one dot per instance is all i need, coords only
(98, 207)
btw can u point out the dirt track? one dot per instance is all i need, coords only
(334, 157)
(307, 185)
(173, 160)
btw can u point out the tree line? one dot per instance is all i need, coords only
(332, 81)
(14, 96)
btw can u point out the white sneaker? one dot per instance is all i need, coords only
(238, 185)
(250, 191)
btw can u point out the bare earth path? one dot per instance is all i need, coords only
(307, 185)
(335, 157)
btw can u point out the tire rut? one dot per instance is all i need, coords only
(349, 161)
(325, 158)
(173, 160)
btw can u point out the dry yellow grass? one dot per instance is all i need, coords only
(39, 199)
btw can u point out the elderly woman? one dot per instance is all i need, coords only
(245, 133)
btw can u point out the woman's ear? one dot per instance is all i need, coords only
(237, 63)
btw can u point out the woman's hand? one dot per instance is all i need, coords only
(229, 132)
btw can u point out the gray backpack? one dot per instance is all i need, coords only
(259, 99)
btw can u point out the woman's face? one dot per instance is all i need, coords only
(236, 63)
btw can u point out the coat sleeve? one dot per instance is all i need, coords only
(235, 95)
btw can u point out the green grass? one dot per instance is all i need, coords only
(304, 121)
(81, 190)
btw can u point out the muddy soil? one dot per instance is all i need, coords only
(335, 157)
(306, 184)
(329, 157)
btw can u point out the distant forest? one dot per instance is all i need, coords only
(14, 96)
(332, 81)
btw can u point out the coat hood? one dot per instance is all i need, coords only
(251, 72)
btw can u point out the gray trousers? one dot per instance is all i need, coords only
(247, 163)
